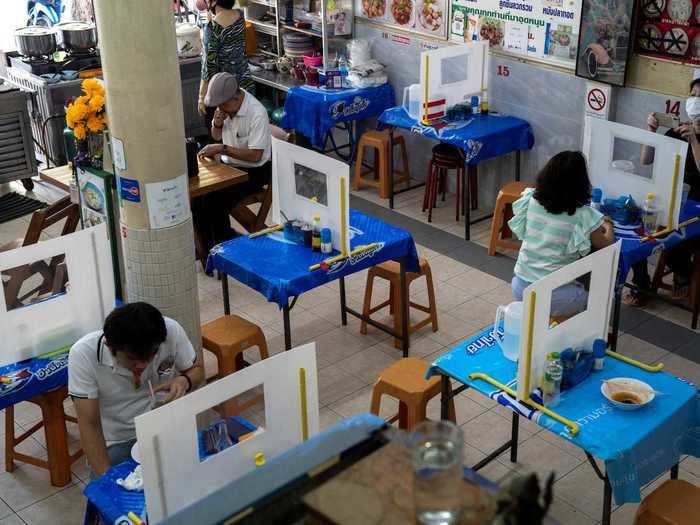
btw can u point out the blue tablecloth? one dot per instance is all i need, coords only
(113, 502)
(634, 251)
(279, 269)
(24, 380)
(314, 111)
(636, 446)
(481, 137)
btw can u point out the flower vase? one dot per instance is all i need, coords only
(96, 149)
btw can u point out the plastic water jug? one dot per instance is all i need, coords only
(412, 99)
(509, 340)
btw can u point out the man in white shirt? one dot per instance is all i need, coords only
(111, 371)
(241, 123)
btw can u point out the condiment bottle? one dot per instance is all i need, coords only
(326, 241)
(596, 198)
(475, 105)
(599, 346)
(484, 103)
(306, 231)
(649, 214)
(551, 384)
(316, 234)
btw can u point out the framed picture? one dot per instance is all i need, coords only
(605, 40)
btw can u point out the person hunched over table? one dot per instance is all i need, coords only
(109, 372)
(241, 123)
(557, 227)
(678, 258)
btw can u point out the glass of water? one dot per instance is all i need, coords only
(437, 471)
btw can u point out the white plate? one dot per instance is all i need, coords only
(135, 454)
(642, 389)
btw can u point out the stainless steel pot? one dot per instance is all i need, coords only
(76, 36)
(35, 41)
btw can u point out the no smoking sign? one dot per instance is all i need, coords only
(597, 101)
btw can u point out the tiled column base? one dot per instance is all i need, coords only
(160, 270)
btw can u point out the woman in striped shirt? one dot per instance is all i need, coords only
(224, 48)
(557, 227)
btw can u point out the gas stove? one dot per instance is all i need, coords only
(42, 66)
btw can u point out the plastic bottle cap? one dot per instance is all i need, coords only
(596, 195)
(317, 217)
(650, 196)
(326, 235)
(556, 355)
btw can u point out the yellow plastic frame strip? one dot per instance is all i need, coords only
(302, 398)
(572, 427)
(340, 257)
(663, 232)
(649, 368)
(674, 188)
(530, 335)
(424, 105)
(343, 223)
(271, 229)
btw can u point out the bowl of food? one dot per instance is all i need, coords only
(431, 14)
(373, 8)
(402, 11)
(627, 393)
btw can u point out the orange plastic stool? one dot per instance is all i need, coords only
(405, 381)
(675, 502)
(502, 213)
(53, 419)
(391, 271)
(227, 337)
(379, 141)
(693, 300)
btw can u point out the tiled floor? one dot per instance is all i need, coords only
(350, 362)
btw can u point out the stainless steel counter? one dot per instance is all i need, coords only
(276, 80)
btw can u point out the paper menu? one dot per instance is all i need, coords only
(168, 202)
(516, 38)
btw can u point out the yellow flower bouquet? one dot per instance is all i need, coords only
(86, 113)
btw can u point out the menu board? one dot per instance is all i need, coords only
(669, 29)
(541, 29)
(426, 17)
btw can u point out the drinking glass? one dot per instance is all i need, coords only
(437, 472)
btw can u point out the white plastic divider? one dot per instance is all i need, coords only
(173, 475)
(61, 320)
(576, 332)
(286, 197)
(473, 56)
(598, 147)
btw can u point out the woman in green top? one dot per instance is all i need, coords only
(557, 227)
(224, 48)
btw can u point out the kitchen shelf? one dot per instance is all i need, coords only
(279, 22)
(310, 32)
(264, 27)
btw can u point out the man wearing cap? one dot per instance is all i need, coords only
(240, 122)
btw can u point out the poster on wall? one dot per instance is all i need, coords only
(669, 29)
(546, 30)
(605, 40)
(427, 17)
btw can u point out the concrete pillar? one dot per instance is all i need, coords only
(144, 105)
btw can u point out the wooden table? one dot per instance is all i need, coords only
(213, 176)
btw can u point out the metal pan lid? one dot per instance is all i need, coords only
(75, 26)
(33, 31)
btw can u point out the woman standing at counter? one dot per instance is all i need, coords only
(224, 50)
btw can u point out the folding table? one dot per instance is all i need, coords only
(636, 446)
(480, 137)
(279, 269)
